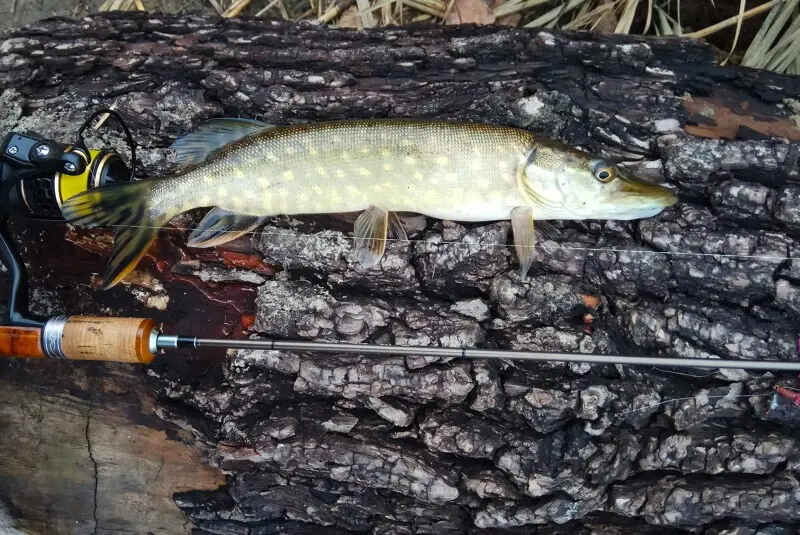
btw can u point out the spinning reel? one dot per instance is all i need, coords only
(36, 176)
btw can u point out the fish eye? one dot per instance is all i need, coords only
(604, 173)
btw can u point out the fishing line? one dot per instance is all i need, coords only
(686, 374)
(656, 405)
(547, 248)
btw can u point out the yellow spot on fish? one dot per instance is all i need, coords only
(346, 156)
(363, 171)
(238, 173)
(387, 167)
(264, 182)
(303, 196)
(312, 151)
(418, 175)
(353, 190)
(271, 157)
(364, 150)
(385, 151)
(409, 160)
(442, 160)
(283, 193)
(317, 189)
(222, 192)
(339, 173)
(288, 176)
(321, 171)
(208, 179)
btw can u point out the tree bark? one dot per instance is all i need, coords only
(342, 444)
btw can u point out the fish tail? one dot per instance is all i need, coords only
(126, 207)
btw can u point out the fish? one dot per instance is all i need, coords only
(247, 171)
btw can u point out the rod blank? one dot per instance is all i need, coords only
(165, 342)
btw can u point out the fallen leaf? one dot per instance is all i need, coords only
(508, 20)
(248, 321)
(590, 301)
(469, 11)
(350, 18)
(609, 21)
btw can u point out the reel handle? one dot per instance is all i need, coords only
(130, 340)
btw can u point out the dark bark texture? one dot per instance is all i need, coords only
(342, 444)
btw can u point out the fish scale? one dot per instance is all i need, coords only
(248, 171)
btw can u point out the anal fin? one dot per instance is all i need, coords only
(524, 237)
(221, 226)
(369, 233)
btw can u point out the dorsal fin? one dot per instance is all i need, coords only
(212, 135)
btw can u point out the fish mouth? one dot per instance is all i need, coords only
(648, 192)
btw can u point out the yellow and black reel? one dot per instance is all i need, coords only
(43, 196)
(38, 175)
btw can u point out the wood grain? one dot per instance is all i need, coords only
(21, 342)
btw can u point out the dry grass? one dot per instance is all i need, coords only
(774, 41)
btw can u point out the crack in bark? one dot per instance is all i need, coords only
(94, 463)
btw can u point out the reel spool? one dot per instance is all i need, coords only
(67, 171)
(37, 175)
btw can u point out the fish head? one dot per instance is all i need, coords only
(571, 184)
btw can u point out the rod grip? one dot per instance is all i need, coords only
(111, 339)
(99, 338)
(23, 342)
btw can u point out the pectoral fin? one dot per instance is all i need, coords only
(221, 226)
(547, 230)
(369, 233)
(396, 227)
(524, 237)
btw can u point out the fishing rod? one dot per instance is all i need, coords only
(38, 174)
(136, 340)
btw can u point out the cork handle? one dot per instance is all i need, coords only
(23, 342)
(110, 339)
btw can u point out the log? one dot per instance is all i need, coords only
(346, 444)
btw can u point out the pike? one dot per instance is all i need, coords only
(247, 171)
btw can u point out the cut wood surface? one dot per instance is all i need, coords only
(84, 452)
(341, 444)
